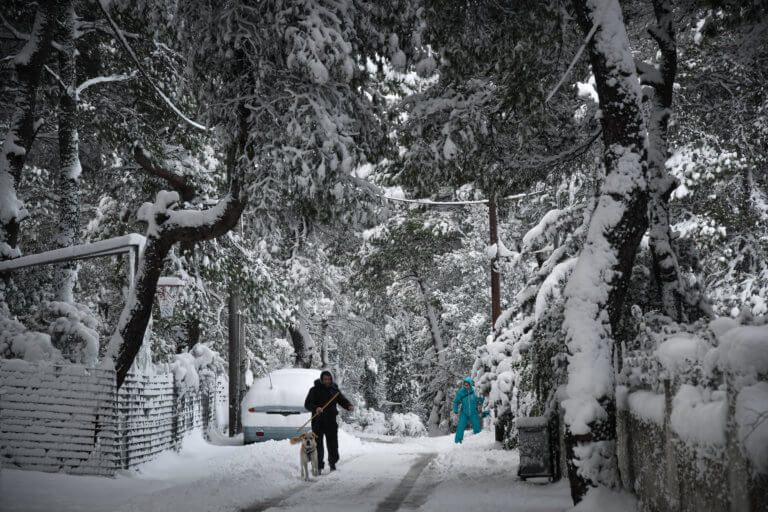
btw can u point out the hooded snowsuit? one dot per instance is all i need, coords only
(468, 401)
(324, 425)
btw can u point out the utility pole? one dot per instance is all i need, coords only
(495, 278)
(234, 362)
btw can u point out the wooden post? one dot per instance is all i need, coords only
(495, 281)
(234, 363)
(242, 387)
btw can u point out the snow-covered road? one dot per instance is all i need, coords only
(382, 480)
(425, 474)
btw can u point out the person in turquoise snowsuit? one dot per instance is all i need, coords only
(467, 401)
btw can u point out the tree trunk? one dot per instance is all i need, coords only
(495, 280)
(22, 90)
(170, 227)
(68, 177)
(597, 287)
(434, 327)
(437, 340)
(167, 227)
(661, 183)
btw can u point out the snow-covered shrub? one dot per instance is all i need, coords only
(18, 342)
(396, 424)
(369, 420)
(200, 363)
(406, 425)
(73, 329)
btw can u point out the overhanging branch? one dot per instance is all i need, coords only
(179, 183)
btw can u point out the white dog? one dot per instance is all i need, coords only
(307, 453)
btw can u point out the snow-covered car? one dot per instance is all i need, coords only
(273, 408)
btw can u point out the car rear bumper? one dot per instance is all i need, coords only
(251, 434)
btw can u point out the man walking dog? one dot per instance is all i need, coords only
(324, 424)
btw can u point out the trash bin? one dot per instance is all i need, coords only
(538, 448)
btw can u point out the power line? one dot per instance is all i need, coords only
(429, 202)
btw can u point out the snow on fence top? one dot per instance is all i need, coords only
(708, 368)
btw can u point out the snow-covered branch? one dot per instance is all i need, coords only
(587, 39)
(15, 33)
(166, 227)
(21, 36)
(376, 191)
(56, 77)
(124, 42)
(103, 79)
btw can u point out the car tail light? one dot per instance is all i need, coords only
(252, 409)
(259, 434)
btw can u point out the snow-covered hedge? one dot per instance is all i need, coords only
(696, 359)
(59, 332)
(18, 342)
(190, 367)
(73, 328)
(372, 421)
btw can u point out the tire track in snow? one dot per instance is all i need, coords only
(396, 498)
(277, 501)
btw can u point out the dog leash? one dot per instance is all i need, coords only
(321, 410)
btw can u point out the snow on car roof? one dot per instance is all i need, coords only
(289, 386)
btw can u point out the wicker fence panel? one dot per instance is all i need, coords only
(57, 418)
(72, 419)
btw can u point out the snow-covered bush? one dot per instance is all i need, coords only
(73, 329)
(199, 364)
(18, 342)
(369, 420)
(396, 424)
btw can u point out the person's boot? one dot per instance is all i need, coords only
(333, 467)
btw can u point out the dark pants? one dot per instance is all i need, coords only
(331, 434)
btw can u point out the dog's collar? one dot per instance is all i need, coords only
(309, 451)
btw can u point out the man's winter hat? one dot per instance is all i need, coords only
(325, 372)
(468, 379)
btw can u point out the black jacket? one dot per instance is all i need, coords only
(318, 396)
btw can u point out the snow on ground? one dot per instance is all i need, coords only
(477, 475)
(376, 473)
